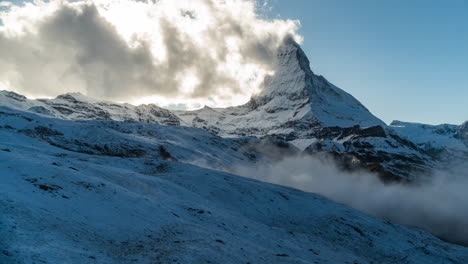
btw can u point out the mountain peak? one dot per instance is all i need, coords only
(291, 53)
(13, 95)
(294, 88)
(75, 97)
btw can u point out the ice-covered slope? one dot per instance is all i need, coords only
(59, 204)
(75, 106)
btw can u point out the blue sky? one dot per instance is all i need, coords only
(404, 60)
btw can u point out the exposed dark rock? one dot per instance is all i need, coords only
(15, 96)
(166, 155)
(462, 132)
(40, 110)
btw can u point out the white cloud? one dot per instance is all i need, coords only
(436, 203)
(189, 52)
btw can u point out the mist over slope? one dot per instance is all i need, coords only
(66, 200)
(436, 203)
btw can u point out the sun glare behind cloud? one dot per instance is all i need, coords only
(186, 53)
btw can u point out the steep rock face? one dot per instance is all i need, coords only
(75, 106)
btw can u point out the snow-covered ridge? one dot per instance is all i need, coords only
(435, 138)
(76, 106)
(131, 139)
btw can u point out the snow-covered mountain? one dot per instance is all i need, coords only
(444, 141)
(88, 181)
(306, 110)
(295, 106)
(123, 192)
(462, 132)
(292, 102)
(75, 106)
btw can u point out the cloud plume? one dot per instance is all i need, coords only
(436, 204)
(191, 52)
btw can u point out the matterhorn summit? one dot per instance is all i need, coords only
(292, 101)
(295, 87)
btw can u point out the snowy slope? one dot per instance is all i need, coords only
(75, 106)
(429, 136)
(132, 139)
(443, 141)
(62, 206)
